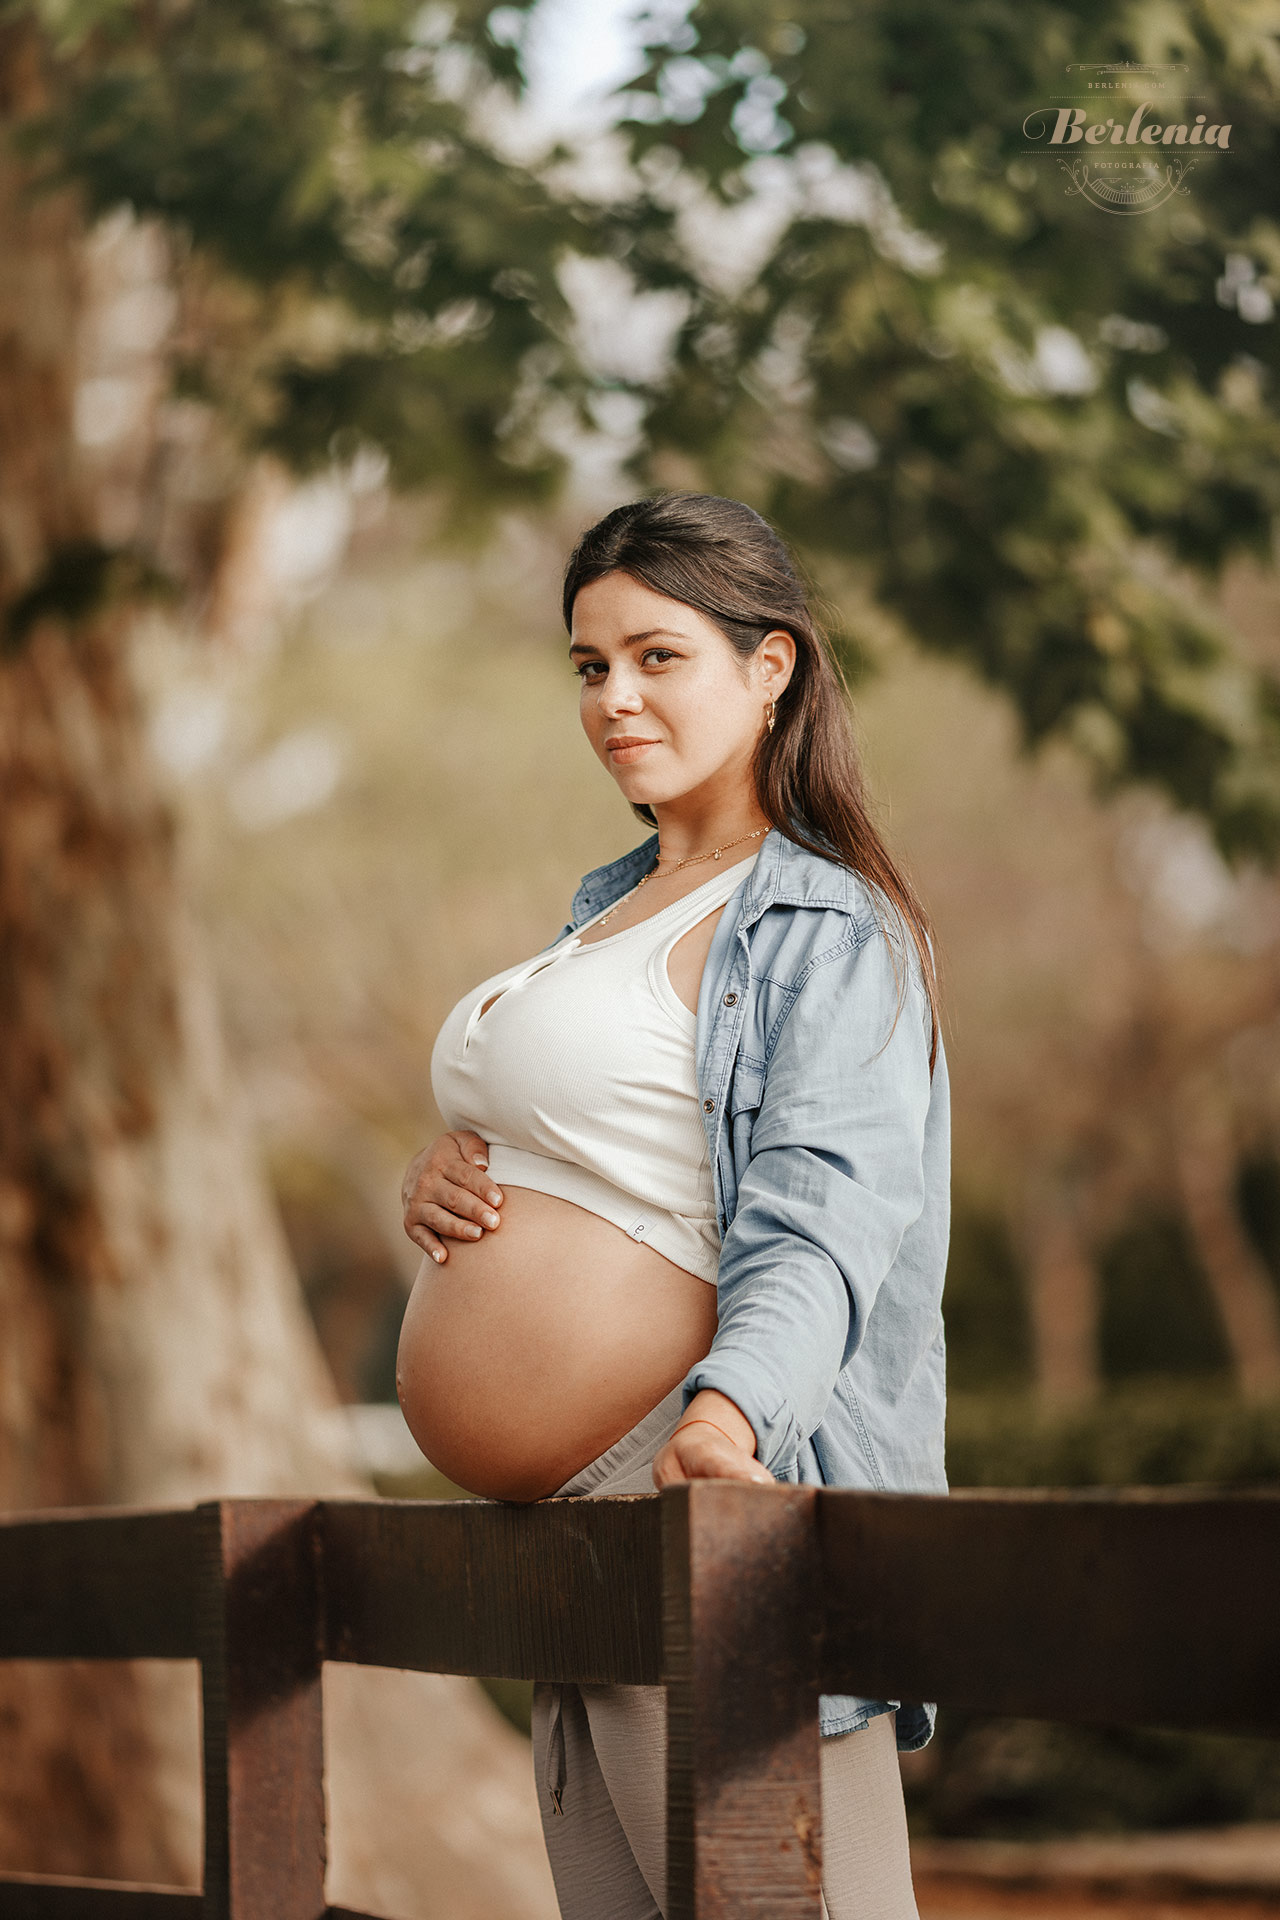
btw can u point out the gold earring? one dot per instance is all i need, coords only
(770, 713)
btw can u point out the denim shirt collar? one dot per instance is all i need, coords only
(785, 874)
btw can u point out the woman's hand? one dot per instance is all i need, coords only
(447, 1190)
(714, 1441)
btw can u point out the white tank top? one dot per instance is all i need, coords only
(581, 1076)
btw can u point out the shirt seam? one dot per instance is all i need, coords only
(850, 1399)
(853, 942)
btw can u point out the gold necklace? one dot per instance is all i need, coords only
(690, 862)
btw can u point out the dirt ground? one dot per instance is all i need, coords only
(939, 1899)
(1227, 1873)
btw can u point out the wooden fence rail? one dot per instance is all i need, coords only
(1138, 1608)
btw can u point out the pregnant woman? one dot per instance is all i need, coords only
(691, 1214)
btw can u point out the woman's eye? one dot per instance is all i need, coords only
(650, 653)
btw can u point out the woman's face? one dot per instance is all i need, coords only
(659, 673)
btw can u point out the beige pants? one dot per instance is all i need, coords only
(600, 1756)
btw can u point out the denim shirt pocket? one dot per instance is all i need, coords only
(746, 1091)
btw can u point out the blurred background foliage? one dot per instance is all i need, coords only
(409, 341)
(887, 325)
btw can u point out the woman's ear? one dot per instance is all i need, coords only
(776, 659)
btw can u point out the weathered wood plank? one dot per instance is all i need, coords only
(741, 1618)
(557, 1590)
(98, 1585)
(44, 1897)
(1143, 1608)
(263, 1732)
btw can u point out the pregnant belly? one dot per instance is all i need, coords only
(530, 1351)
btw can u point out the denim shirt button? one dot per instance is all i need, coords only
(708, 1106)
(731, 999)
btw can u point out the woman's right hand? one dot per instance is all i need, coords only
(447, 1190)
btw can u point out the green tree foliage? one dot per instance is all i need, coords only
(1028, 425)
(324, 157)
(1029, 421)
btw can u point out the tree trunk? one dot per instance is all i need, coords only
(1063, 1303)
(1243, 1290)
(156, 1346)
(154, 1342)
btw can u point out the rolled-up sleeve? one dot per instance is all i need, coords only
(834, 1180)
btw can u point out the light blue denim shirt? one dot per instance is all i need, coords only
(830, 1154)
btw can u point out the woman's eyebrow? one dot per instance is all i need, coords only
(630, 640)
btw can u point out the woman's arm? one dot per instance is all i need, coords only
(834, 1180)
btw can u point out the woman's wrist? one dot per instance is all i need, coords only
(717, 1410)
(704, 1422)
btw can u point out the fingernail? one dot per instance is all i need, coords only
(491, 1219)
(494, 1197)
(436, 1254)
(479, 1161)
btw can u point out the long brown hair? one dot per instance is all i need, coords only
(719, 557)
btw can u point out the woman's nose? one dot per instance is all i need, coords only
(620, 699)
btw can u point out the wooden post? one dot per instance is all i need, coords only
(263, 1734)
(741, 1624)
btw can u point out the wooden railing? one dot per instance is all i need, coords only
(1140, 1608)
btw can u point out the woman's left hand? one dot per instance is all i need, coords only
(712, 1442)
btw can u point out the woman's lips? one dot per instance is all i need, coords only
(632, 752)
